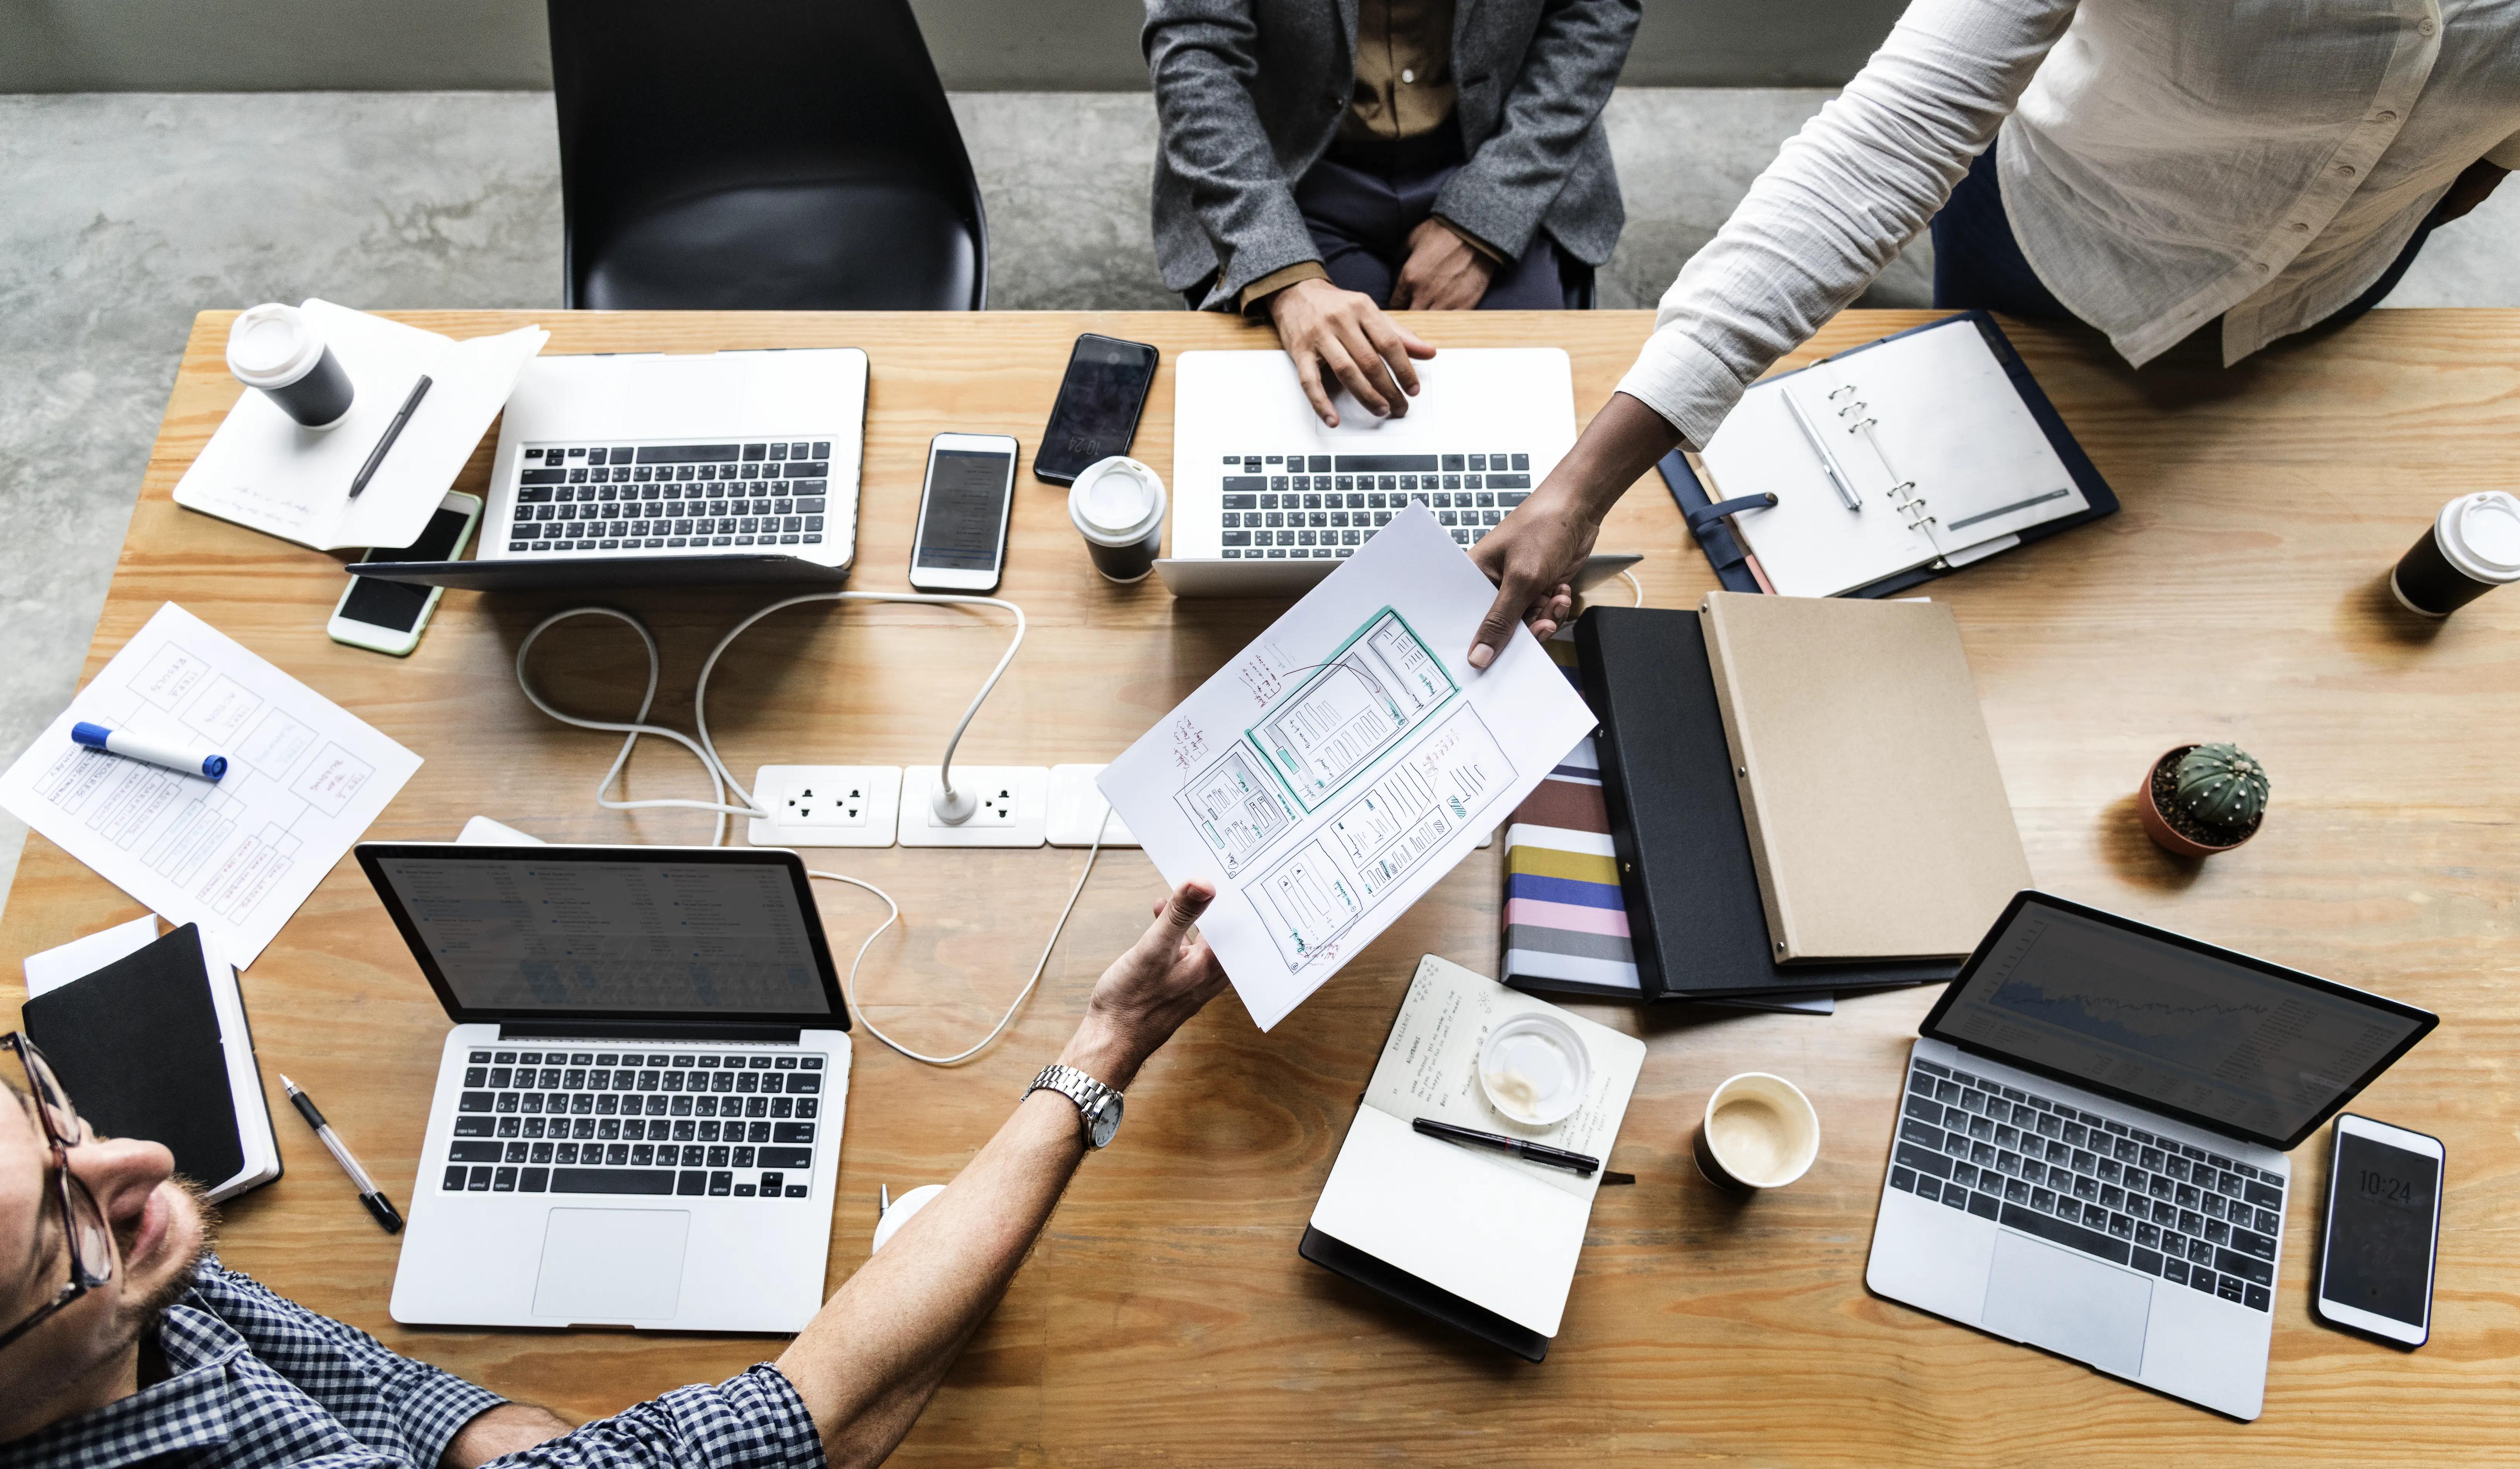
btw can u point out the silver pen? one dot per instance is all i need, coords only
(1827, 460)
(369, 1193)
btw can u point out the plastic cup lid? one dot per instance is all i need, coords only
(2485, 527)
(1116, 502)
(271, 345)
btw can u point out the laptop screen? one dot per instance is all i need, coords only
(2242, 1047)
(610, 932)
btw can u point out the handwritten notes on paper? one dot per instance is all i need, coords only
(237, 854)
(1339, 765)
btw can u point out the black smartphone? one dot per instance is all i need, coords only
(2383, 1229)
(1099, 402)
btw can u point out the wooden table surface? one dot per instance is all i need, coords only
(1165, 1318)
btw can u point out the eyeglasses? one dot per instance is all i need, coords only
(91, 1241)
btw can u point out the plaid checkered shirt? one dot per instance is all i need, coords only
(254, 1379)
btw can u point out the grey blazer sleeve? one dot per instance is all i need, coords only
(1566, 75)
(1202, 56)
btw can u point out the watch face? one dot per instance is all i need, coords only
(1104, 1120)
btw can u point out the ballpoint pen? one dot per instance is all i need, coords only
(1827, 460)
(369, 1193)
(1529, 1152)
(393, 430)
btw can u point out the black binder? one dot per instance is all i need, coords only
(1724, 551)
(137, 1044)
(1694, 916)
(1435, 1300)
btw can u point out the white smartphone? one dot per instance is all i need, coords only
(962, 513)
(2377, 1253)
(388, 617)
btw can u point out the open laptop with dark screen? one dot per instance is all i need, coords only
(636, 1117)
(2089, 1155)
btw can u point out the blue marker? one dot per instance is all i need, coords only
(174, 757)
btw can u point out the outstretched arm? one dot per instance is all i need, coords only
(867, 1363)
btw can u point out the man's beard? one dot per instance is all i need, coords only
(138, 1316)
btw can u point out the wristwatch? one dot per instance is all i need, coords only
(1098, 1105)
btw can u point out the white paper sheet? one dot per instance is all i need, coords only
(1334, 770)
(263, 471)
(80, 958)
(237, 856)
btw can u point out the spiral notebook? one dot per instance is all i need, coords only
(1902, 458)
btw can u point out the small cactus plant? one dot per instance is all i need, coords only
(2222, 786)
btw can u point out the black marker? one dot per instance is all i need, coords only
(393, 430)
(369, 1193)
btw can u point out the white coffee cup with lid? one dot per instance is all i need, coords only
(275, 349)
(2472, 547)
(1117, 505)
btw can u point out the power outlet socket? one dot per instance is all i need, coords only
(1014, 809)
(1078, 812)
(827, 805)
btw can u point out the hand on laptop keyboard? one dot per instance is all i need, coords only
(1340, 339)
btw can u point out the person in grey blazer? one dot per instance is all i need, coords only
(1327, 160)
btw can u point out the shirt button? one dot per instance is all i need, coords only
(2424, 26)
(2345, 170)
(1408, 74)
(2384, 115)
(2299, 228)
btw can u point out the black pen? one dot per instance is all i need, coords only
(393, 430)
(369, 1193)
(1529, 1152)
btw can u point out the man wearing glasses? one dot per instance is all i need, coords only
(121, 1340)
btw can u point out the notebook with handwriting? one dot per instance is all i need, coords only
(1455, 1227)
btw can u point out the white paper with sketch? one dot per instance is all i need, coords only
(1492, 1229)
(263, 471)
(1329, 773)
(239, 855)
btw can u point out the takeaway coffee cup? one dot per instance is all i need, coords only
(276, 349)
(1118, 506)
(1758, 1132)
(2473, 548)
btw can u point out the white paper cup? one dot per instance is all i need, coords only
(1534, 1069)
(276, 350)
(1117, 505)
(2473, 548)
(1758, 1132)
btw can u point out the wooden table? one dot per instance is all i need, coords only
(1165, 1318)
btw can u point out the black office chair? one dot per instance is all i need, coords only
(766, 155)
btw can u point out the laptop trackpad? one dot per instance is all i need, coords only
(2068, 1303)
(611, 1264)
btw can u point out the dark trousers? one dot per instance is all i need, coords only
(1360, 202)
(1978, 264)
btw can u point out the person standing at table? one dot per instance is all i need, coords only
(124, 1340)
(1327, 161)
(2155, 168)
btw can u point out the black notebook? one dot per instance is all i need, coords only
(1694, 916)
(153, 1044)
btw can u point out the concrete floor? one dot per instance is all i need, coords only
(123, 214)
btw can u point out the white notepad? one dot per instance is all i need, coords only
(1929, 435)
(1491, 1228)
(263, 471)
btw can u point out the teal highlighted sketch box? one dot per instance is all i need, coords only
(1381, 682)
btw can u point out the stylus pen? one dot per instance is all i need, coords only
(1827, 460)
(369, 1193)
(393, 430)
(1529, 1152)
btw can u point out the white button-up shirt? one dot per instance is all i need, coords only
(2163, 162)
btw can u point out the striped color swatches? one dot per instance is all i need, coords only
(1566, 919)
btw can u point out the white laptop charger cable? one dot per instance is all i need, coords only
(950, 805)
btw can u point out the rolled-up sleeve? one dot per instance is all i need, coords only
(1843, 197)
(753, 1420)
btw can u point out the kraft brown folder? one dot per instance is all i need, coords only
(1877, 819)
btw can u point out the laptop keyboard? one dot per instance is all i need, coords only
(662, 497)
(2089, 1183)
(1282, 507)
(610, 1122)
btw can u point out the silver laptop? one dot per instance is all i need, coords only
(636, 1117)
(1266, 500)
(2090, 1156)
(669, 470)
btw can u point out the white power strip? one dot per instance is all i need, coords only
(826, 805)
(1013, 811)
(1078, 814)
